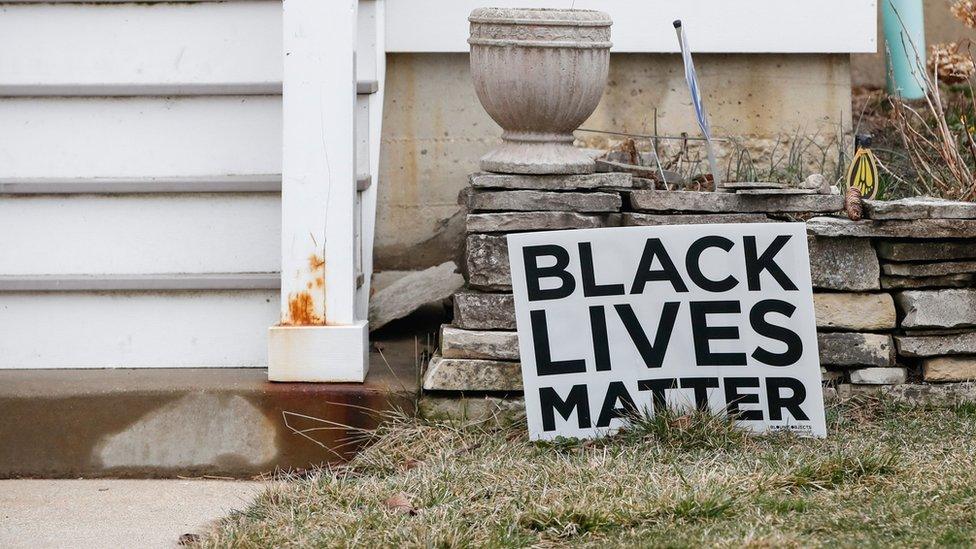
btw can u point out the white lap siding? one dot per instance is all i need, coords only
(140, 162)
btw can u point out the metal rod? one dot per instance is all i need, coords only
(673, 138)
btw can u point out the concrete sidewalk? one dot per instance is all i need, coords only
(114, 513)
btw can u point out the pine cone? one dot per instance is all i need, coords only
(852, 204)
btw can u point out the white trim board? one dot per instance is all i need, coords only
(180, 329)
(139, 234)
(147, 282)
(716, 26)
(133, 137)
(114, 49)
(257, 183)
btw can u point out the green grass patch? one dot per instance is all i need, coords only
(887, 475)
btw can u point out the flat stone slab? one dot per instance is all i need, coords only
(484, 311)
(855, 311)
(485, 411)
(928, 346)
(746, 185)
(853, 349)
(551, 182)
(653, 220)
(919, 207)
(879, 376)
(929, 269)
(610, 166)
(776, 192)
(919, 228)
(510, 222)
(692, 201)
(848, 264)
(949, 368)
(943, 394)
(645, 183)
(909, 283)
(412, 291)
(462, 374)
(927, 251)
(846, 391)
(487, 262)
(954, 308)
(528, 201)
(482, 344)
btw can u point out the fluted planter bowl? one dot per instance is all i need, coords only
(539, 73)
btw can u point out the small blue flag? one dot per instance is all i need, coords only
(691, 76)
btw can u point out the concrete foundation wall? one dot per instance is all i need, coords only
(940, 26)
(434, 129)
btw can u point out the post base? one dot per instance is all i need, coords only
(319, 353)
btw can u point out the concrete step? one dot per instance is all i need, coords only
(228, 422)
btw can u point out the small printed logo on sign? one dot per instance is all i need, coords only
(613, 322)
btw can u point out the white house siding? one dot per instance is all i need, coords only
(140, 161)
(140, 152)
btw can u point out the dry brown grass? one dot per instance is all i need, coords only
(886, 476)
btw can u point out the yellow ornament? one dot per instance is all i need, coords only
(863, 171)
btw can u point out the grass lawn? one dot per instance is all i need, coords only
(886, 475)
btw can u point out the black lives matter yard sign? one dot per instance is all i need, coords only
(617, 321)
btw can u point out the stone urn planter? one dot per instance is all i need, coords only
(539, 73)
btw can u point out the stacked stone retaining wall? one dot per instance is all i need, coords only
(894, 294)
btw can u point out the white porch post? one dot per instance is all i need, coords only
(320, 337)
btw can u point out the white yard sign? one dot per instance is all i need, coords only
(612, 321)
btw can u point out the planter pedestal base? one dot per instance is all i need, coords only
(538, 158)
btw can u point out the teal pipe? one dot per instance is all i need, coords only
(904, 20)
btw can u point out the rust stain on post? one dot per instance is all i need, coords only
(301, 311)
(301, 305)
(315, 263)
